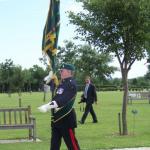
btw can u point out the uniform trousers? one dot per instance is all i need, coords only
(69, 138)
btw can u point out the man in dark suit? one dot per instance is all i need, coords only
(89, 97)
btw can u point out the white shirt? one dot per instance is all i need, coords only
(85, 91)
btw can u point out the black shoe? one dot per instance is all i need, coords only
(81, 122)
(95, 121)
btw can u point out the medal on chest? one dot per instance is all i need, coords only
(60, 91)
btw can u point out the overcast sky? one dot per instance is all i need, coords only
(21, 30)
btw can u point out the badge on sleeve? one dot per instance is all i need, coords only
(60, 91)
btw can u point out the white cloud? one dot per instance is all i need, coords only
(72, 6)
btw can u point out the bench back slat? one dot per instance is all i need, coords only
(15, 119)
(14, 116)
(20, 116)
(9, 117)
(4, 117)
(26, 119)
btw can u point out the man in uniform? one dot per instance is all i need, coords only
(64, 118)
(89, 97)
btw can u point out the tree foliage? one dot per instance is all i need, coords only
(15, 79)
(117, 26)
(87, 61)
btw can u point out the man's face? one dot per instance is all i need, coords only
(87, 81)
(64, 73)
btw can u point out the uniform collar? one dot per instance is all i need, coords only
(67, 79)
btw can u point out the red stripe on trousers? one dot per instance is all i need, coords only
(73, 139)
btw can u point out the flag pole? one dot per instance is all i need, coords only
(50, 40)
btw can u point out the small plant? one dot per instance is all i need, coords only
(134, 112)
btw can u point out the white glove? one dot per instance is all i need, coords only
(48, 78)
(46, 107)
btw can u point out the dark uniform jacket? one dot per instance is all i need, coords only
(91, 94)
(64, 93)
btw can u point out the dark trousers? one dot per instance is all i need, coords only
(89, 108)
(68, 136)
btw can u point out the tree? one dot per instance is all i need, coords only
(37, 76)
(17, 79)
(1, 81)
(27, 79)
(68, 53)
(6, 74)
(90, 62)
(120, 27)
(87, 61)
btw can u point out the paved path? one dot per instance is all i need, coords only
(38, 140)
(18, 141)
(140, 148)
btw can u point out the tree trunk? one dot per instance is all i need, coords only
(124, 104)
(19, 97)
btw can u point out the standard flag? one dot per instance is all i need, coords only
(51, 32)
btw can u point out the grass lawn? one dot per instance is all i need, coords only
(103, 135)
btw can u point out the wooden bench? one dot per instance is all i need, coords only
(138, 96)
(18, 118)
